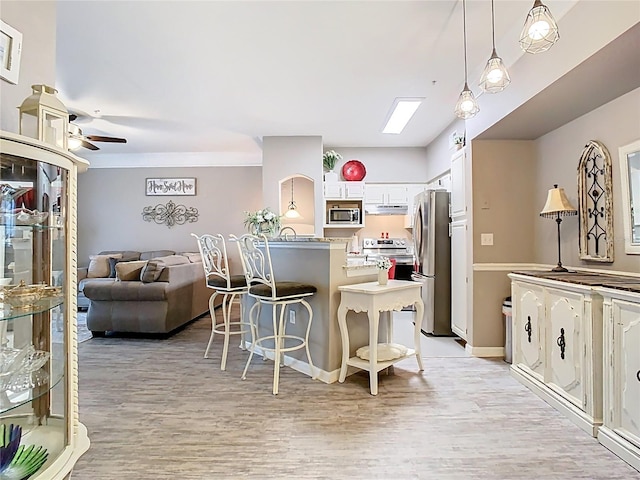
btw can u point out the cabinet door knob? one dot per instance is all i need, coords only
(638, 375)
(561, 343)
(527, 328)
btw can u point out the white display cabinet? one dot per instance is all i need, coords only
(38, 337)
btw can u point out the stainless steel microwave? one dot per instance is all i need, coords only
(343, 216)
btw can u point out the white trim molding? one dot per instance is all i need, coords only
(485, 352)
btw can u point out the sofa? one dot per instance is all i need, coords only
(152, 292)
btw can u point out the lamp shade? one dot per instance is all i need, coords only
(540, 30)
(557, 204)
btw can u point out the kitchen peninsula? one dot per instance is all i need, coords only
(321, 262)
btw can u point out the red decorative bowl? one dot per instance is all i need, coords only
(353, 171)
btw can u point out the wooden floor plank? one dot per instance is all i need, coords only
(155, 409)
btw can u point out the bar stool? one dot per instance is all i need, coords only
(263, 286)
(216, 269)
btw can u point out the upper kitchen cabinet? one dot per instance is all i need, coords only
(458, 185)
(344, 190)
(386, 194)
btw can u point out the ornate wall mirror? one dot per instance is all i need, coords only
(595, 200)
(630, 183)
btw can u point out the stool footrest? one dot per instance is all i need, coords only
(302, 343)
(219, 328)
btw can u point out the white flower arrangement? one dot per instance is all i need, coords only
(383, 263)
(330, 158)
(262, 221)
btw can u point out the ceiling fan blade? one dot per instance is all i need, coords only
(98, 138)
(88, 145)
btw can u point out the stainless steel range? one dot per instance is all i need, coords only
(398, 249)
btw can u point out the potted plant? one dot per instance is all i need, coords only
(329, 160)
(263, 221)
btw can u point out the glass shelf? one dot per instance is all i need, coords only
(9, 313)
(11, 400)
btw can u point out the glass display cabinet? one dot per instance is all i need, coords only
(40, 433)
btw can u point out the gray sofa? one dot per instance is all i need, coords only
(173, 292)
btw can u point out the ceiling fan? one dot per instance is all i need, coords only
(77, 139)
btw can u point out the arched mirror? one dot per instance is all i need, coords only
(297, 205)
(595, 199)
(630, 183)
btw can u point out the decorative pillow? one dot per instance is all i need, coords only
(99, 265)
(129, 271)
(112, 266)
(386, 351)
(152, 270)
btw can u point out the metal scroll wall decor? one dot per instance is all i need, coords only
(170, 214)
(595, 199)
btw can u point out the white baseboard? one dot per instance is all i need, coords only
(485, 352)
(299, 366)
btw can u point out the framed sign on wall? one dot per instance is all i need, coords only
(10, 52)
(170, 186)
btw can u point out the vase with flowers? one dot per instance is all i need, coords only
(329, 160)
(262, 222)
(383, 264)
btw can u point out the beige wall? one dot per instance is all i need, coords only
(37, 23)
(110, 203)
(510, 184)
(503, 194)
(615, 124)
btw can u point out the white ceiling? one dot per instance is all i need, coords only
(217, 76)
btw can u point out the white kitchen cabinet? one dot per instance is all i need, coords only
(344, 190)
(386, 194)
(459, 279)
(620, 431)
(557, 342)
(458, 184)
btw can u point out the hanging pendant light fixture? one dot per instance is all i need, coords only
(292, 211)
(467, 106)
(495, 76)
(540, 30)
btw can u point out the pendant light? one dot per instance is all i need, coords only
(466, 107)
(540, 30)
(292, 211)
(495, 76)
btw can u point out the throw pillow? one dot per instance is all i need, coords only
(129, 271)
(99, 265)
(112, 266)
(152, 270)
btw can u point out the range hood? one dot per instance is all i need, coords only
(375, 209)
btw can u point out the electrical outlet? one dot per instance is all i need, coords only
(486, 239)
(292, 316)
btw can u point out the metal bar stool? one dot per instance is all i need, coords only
(266, 290)
(216, 269)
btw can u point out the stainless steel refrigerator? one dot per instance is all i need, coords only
(432, 246)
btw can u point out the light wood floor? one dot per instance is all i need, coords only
(155, 409)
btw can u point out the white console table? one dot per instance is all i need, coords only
(374, 298)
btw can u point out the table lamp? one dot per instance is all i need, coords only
(558, 206)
